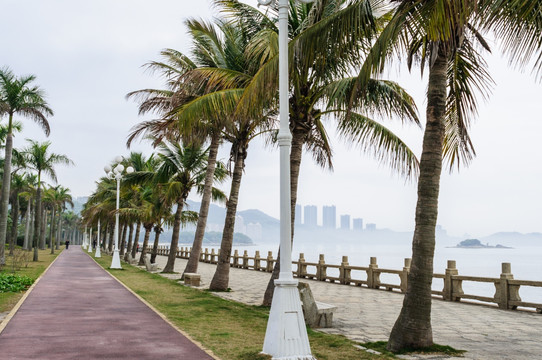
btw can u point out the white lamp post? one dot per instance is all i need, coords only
(286, 334)
(98, 253)
(116, 172)
(85, 238)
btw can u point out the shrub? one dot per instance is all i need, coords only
(14, 283)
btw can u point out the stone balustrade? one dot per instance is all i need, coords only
(506, 287)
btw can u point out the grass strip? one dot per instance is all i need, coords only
(31, 269)
(233, 331)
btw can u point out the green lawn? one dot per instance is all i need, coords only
(233, 331)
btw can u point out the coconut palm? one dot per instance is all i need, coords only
(439, 36)
(58, 198)
(39, 158)
(17, 96)
(181, 170)
(328, 38)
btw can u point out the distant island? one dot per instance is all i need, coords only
(476, 244)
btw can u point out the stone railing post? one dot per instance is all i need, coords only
(450, 271)
(373, 277)
(269, 265)
(301, 266)
(321, 269)
(344, 273)
(213, 257)
(202, 255)
(236, 258)
(404, 275)
(245, 259)
(207, 256)
(257, 261)
(507, 292)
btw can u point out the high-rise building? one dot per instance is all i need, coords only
(311, 213)
(298, 211)
(371, 227)
(358, 224)
(345, 222)
(254, 231)
(329, 219)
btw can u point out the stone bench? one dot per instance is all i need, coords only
(192, 279)
(150, 266)
(317, 314)
(130, 260)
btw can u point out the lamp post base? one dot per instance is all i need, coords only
(115, 264)
(286, 334)
(98, 254)
(89, 248)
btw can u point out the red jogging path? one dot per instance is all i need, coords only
(78, 311)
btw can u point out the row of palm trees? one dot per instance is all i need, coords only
(32, 201)
(226, 91)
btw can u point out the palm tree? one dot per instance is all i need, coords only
(328, 38)
(440, 36)
(39, 158)
(17, 96)
(181, 170)
(58, 197)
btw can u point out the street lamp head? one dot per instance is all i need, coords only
(118, 159)
(129, 169)
(119, 168)
(107, 169)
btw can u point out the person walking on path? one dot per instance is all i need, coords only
(67, 244)
(110, 333)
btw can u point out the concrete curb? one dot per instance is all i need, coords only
(13, 311)
(197, 343)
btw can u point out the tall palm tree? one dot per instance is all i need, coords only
(39, 158)
(440, 36)
(17, 96)
(328, 38)
(181, 170)
(58, 197)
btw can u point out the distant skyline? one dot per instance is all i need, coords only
(88, 55)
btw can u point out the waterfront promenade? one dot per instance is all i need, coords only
(364, 315)
(78, 311)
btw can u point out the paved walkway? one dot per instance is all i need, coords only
(368, 315)
(78, 311)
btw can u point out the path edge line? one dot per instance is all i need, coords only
(13, 311)
(150, 306)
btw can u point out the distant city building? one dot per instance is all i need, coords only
(371, 227)
(254, 231)
(345, 222)
(329, 219)
(311, 213)
(298, 210)
(240, 226)
(357, 224)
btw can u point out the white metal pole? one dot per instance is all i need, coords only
(90, 240)
(286, 335)
(115, 263)
(98, 252)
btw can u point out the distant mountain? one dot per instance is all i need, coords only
(510, 238)
(257, 216)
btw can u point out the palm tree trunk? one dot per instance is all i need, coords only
(298, 139)
(136, 240)
(221, 277)
(111, 240)
(37, 219)
(4, 200)
(123, 239)
(52, 231)
(14, 223)
(413, 326)
(148, 229)
(175, 237)
(59, 235)
(28, 220)
(129, 246)
(154, 252)
(193, 260)
(43, 225)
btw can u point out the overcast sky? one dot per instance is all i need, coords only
(88, 54)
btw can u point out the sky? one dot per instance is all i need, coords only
(87, 55)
